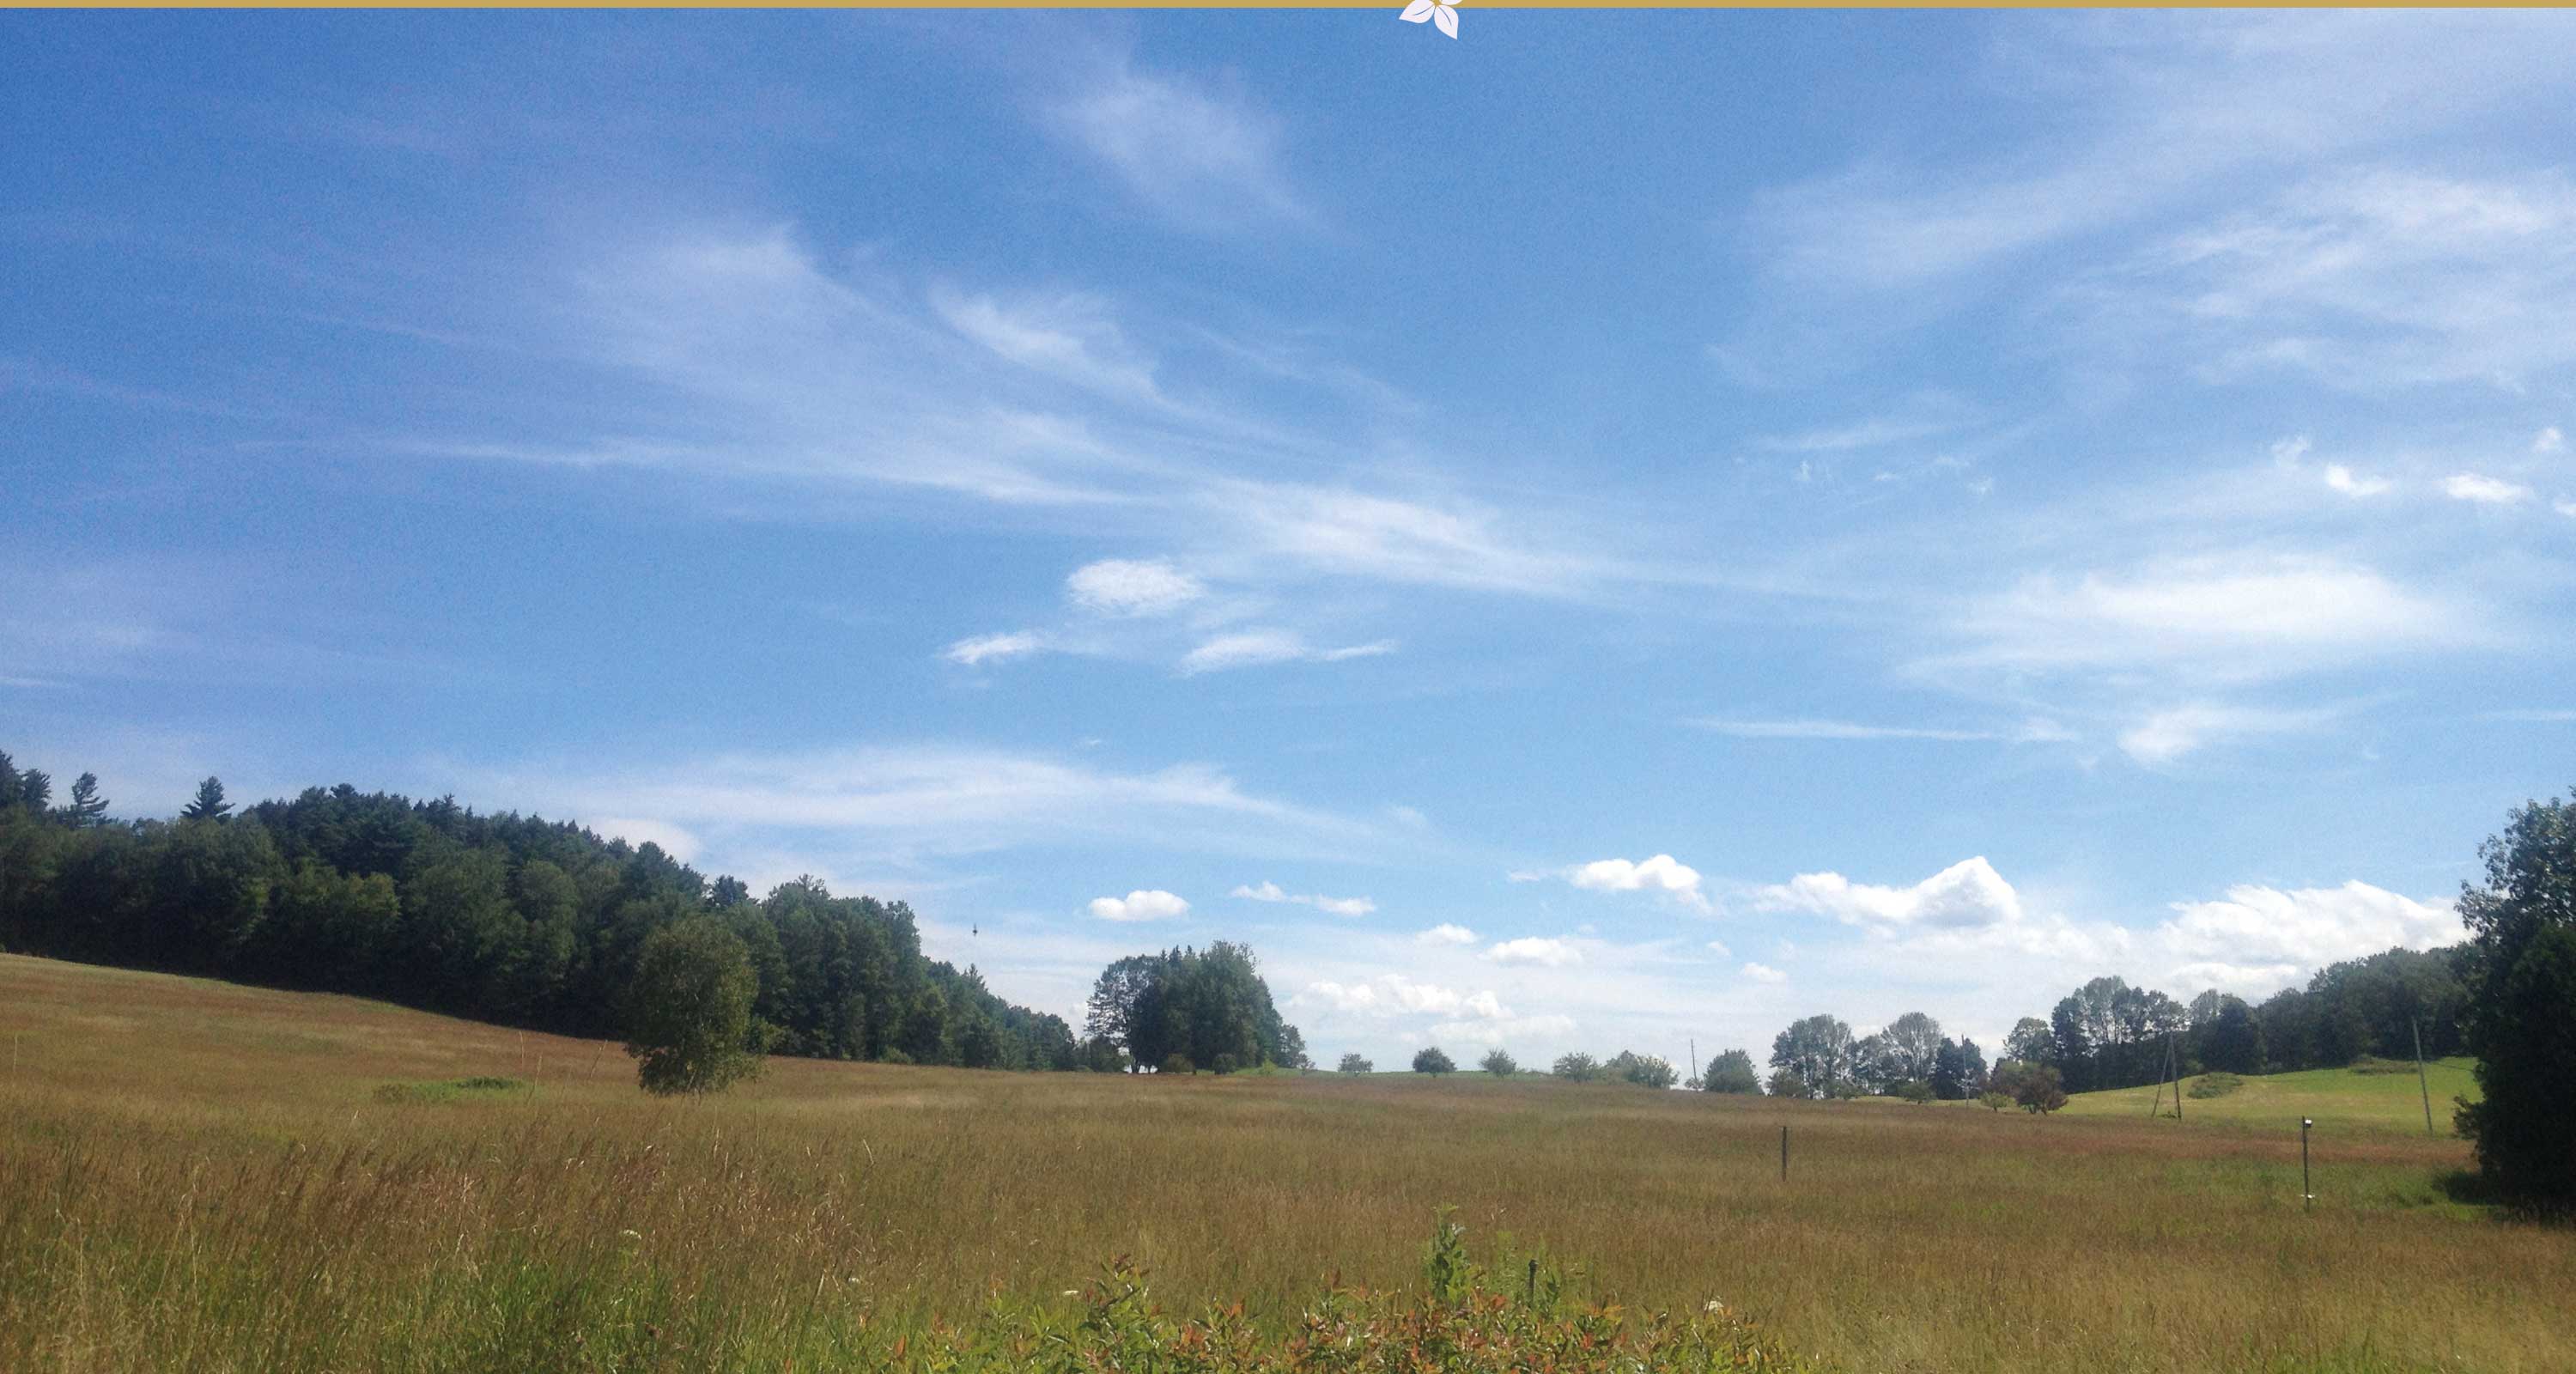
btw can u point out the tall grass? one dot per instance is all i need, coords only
(198, 1176)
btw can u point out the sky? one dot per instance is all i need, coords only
(1615, 531)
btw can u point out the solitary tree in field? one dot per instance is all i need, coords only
(1498, 1063)
(689, 1009)
(1577, 1067)
(2522, 1006)
(1353, 1063)
(1433, 1061)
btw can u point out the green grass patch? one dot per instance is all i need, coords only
(480, 1086)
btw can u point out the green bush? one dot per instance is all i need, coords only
(1176, 1062)
(1433, 1061)
(2215, 1085)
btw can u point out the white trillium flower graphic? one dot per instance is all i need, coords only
(1441, 12)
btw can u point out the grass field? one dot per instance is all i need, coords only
(206, 1177)
(2342, 1101)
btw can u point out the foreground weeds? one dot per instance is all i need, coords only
(1457, 1323)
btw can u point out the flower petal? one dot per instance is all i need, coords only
(1417, 11)
(1446, 18)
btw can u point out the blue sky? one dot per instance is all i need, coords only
(1617, 529)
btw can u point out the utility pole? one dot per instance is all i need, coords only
(1784, 1154)
(2174, 1054)
(2421, 1083)
(1693, 1071)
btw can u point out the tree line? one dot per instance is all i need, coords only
(2107, 1034)
(501, 917)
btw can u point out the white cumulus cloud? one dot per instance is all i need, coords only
(2256, 939)
(1967, 895)
(2548, 441)
(1536, 949)
(1147, 904)
(1446, 934)
(1764, 973)
(1662, 873)
(1393, 994)
(2486, 491)
(2341, 479)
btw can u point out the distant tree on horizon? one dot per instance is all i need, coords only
(87, 807)
(208, 804)
(1498, 1062)
(1731, 1072)
(1818, 1051)
(1355, 1063)
(1433, 1060)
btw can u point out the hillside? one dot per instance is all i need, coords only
(2341, 1101)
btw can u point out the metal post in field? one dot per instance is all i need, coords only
(2307, 1190)
(2420, 1081)
(1784, 1154)
(2175, 1055)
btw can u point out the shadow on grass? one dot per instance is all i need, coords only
(2474, 1189)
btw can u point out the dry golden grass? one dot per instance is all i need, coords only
(199, 1176)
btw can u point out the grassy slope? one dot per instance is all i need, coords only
(2341, 1101)
(200, 1176)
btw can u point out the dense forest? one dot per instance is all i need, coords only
(505, 918)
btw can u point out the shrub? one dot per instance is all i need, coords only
(1993, 1101)
(1577, 1067)
(2035, 1086)
(1177, 1062)
(1498, 1063)
(2215, 1085)
(1913, 1090)
(1644, 1070)
(1433, 1061)
(1787, 1083)
(1225, 1063)
(1353, 1063)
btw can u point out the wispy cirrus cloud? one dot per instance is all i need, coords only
(1260, 648)
(1336, 906)
(993, 648)
(1205, 157)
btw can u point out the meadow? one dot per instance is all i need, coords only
(196, 1175)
